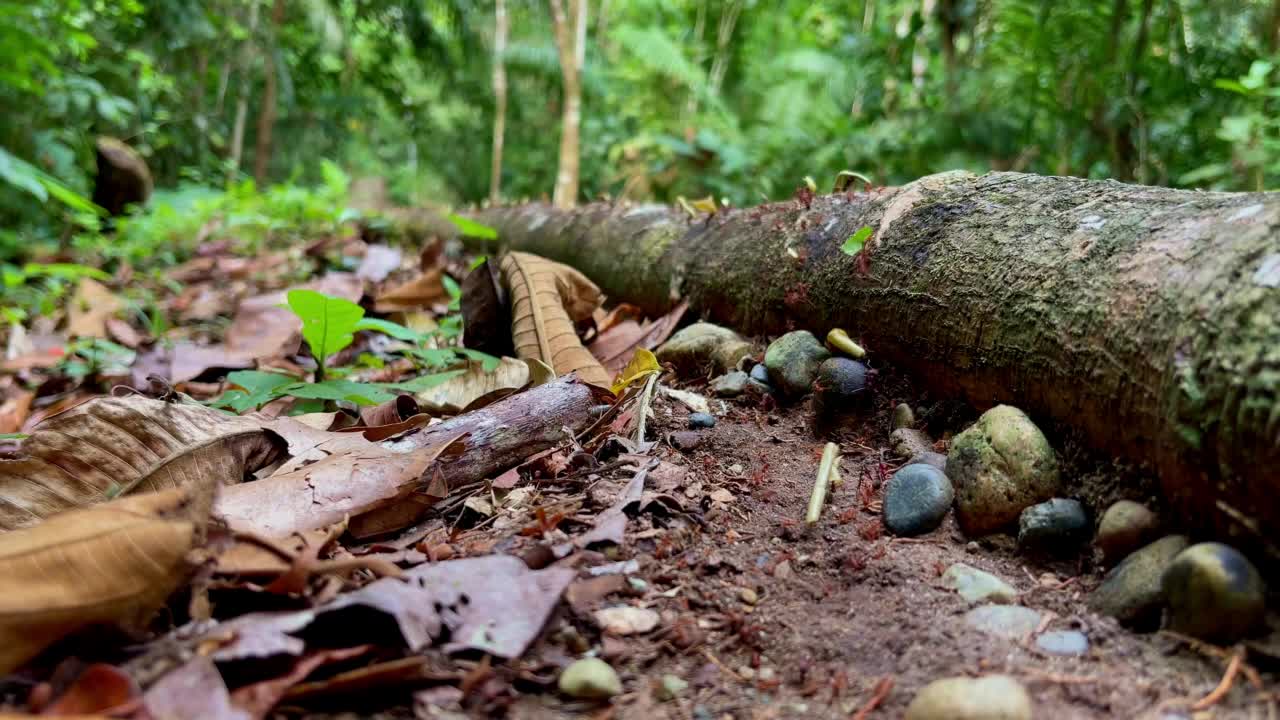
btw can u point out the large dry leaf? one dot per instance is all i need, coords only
(379, 261)
(89, 309)
(111, 445)
(356, 477)
(194, 690)
(114, 563)
(547, 299)
(459, 392)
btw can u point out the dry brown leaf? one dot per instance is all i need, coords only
(379, 261)
(111, 445)
(616, 345)
(15, 410)
(547, 299)
(358, 477)
(89, 309)
(457, 393)
(114, 563)
(424, 290)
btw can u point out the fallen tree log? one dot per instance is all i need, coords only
(1148, 319)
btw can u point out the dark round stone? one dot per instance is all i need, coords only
(701, 420)
(1057, 525)
(1214, 593)
(916, 499)
(841, 386)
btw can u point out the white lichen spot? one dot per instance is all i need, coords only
(1268, 274)
(640, 210)
(1092, 222)
(1245, 212)
(830, 224)
(537, 222)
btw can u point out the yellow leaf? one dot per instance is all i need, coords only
(642, 365)
(89, 309)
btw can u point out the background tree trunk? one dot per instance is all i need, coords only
(499, 98)
(267, 113)
(1146, 319)
(242, 102)
(570, 32)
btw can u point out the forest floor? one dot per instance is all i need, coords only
(717, 602)
(841, 611)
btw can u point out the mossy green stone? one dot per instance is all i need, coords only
(1214, 593)
(793, 360)
(1000, 466)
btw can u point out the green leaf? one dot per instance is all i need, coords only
(395, 330)
(13, 436)
(328, 323)
(472, 228)
(423, 382)
(435, 357)
(66, 271)
(854, 244)
(358, 393)
(488, 363)
(257, 389)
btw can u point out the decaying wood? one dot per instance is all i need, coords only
(1147, 319)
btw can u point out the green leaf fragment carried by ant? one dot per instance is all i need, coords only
(854, 244)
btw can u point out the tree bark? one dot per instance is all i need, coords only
(1146, 319)
(499, 98)
(570, 42)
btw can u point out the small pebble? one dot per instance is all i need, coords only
(916, 499)
(1063, 642)
(1125, 527)
(903, 417)
(1058, 525)
(1133, 592)
(746, 672)
(977, 586)
(670, 687)
(765, 674)
(930, 457)
(626, 620)
(702, 345)
(1011, 622)
(991, 697)
(1214, 593)
(685, 439)
(730, 385)
(701, 420)
(590, 678)
(749, 596)
(760, 374)
(909, 442)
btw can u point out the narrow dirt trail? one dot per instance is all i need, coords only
(840, 607)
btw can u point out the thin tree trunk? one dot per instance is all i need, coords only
(570, 42)
(1146, 319)
(724, 36)
(242, 102)
(499, 98)
(267, 113)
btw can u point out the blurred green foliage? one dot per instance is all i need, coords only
(740, 99)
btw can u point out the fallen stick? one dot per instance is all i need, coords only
(830, 455)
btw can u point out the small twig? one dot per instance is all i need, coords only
(830, 455)
(1224, 687)
(646, 397)
(710, 656)
(881, 691)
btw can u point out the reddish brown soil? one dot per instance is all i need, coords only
(842, 607)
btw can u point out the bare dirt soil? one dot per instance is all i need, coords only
(765, 618)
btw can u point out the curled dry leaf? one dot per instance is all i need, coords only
(110, 446)
(486, 312)
(547, 300)
(616, 344)
(114, 563)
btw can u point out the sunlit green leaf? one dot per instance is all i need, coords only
(853, 245)
(328, 323)
(472, 228)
